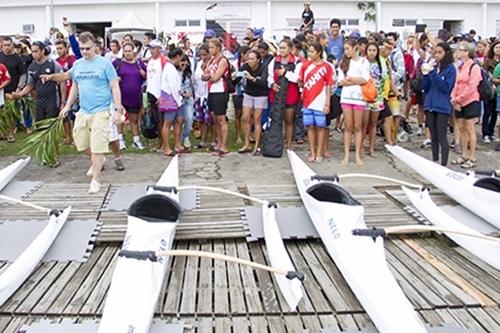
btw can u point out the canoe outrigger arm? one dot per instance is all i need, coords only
(153, 257)
(412, 229)
(49, 211)
(173, 189)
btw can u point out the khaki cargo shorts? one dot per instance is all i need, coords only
(92, 131)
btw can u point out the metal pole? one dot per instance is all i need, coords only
(51, 12)
(378, 13)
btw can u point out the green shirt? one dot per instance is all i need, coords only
(496, 75)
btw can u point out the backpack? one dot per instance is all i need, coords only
(148, 125)
(485, 88)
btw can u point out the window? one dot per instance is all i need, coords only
(181, 23)
(187, 23)
(194, 23)
(404, 22)
(352, 22)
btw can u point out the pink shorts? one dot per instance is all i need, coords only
(354, 107)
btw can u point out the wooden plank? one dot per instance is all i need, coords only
(272, 300)
(55, 290)
(315, 301)
(329, 322)
(188, 300)
(4, 322)
(276, 324)
(221, 297)
(222, 325)
(329, 288)
(251, 291)
(462, 283)
(174, 290)
(88, 285)
(363, 321)
(205, 325)
(463, 316)
(205, 283)
(346, 322)
(484, 319)
(258, 324)
(15, 324)
(293, 323)
(32, 299)
(95, 302)
(70, 289)
(349, 300)
(27, 287)
(236, 292)
(311, 323)
(240, 325)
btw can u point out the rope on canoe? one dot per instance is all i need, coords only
(367, 175)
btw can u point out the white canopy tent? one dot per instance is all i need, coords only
(129, 24)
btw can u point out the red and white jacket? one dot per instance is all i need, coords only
(316, 79)
(292, 68)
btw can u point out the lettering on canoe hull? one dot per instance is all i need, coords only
(163, 247)
(455, 176)
(334, 229)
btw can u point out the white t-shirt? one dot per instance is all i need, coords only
(353, 94)
(171, 82)
(154, 69)
(200, 86)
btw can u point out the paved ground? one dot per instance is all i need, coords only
(255, 170)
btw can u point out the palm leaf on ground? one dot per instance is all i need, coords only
(44, 143)
(13, 112)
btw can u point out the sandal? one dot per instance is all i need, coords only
(311, 159)
(244, 150)
(318, 160)
(256, 152)
(459, 161)
(11, 139)
(300, 141)
(327, 155)
(171, 154)
(469, 164)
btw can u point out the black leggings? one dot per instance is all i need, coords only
(438, 126)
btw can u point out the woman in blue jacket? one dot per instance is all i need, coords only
(439, 80)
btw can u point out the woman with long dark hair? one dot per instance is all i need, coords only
(354, 71)
(438, 81)
(378, 73)
(187, 107)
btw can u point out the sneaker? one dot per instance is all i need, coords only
(119, 165)
(486, 139)
(494, 138)
(94, 187)
(123, 146)
(138, 145)
(90, 171)
(420, 131)
(426, 144)
(186, 142)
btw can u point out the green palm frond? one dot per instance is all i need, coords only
(13, 111)
(43, 145)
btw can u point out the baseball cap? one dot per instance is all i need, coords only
(209, 34)
(155, 43)
(355, 35)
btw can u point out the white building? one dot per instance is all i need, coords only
(278, 17)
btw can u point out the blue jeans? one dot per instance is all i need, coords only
(187, 108)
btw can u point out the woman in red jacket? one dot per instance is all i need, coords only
(465, 101)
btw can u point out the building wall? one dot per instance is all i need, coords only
(13, 14)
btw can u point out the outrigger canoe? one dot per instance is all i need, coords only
(10, 171)
(12, 278)
(486, 250)
(137, 282)
(361, 260)
(481, 196)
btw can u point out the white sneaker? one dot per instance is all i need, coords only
(420, 131)
(187, 143)
(426, 143)
(123, 146)
(94, 187)
(486, 139)
(138, 145)
(494, 138)
(90, 171)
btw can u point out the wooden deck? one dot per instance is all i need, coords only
(443, 282)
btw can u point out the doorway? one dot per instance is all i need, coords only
(96, 28)
(454, 27)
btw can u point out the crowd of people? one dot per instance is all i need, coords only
(366, 85)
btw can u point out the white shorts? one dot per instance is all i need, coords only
(113, 129)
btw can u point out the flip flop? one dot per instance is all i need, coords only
(244, 150)
(171, 154)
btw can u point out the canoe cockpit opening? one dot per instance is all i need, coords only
(329, 192)
(492, 184)
(155, 208)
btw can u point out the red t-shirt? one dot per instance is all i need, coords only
(66, 63)
(315, 77)
(4, 74)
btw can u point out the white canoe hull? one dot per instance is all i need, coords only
(10, 171)
(25, 264)
(279, 258)
(488, 251)
(458, 186)
(136, 284)
(360, 260)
